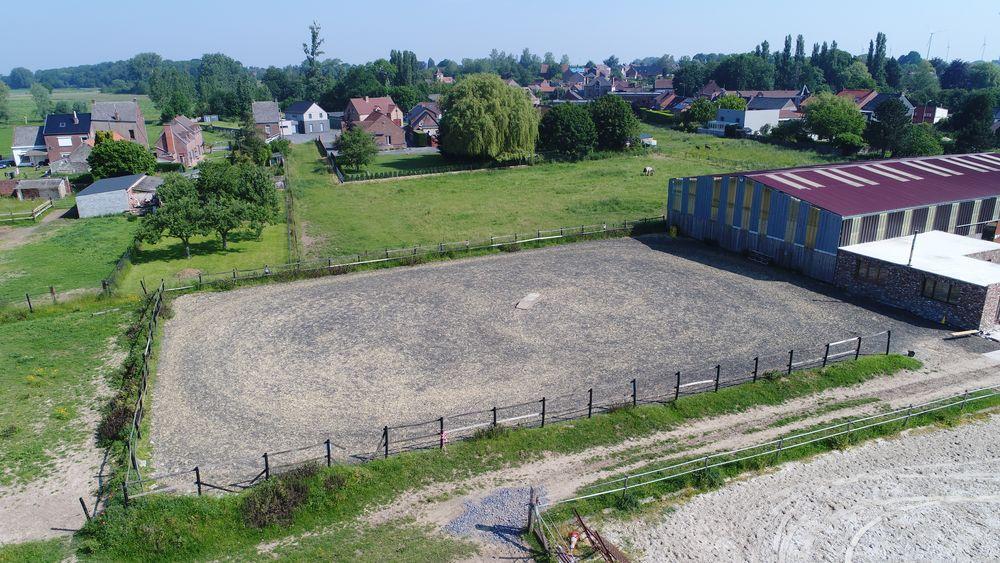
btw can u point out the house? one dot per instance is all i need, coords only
(597, 88)
(358, 110)
(663, 84)
(797, 96)
(28, 146)
(266, 119)
(939, 276)
(711, 91)
(799, 217)
(44, 188)
(748, 121)
(388, 134)
(869, 108)
(74, 163)
(929, 114)
(440, 77)
(859, 98)
(181, 142)
(65, 132)
(425, 117)
(123, 118)
(531, 96)
(124, 194)
(308, 117)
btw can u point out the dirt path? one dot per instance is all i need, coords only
(946, 372)
(931, 496)
(13, 237)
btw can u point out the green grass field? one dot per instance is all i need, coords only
(404, 162)
(14, 205)
(48, 375)
(353, 217)
(67, 254)
(22, 108)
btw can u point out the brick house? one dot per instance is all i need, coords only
(358, 110)
(181, 141)
(65, 132)
(266, 119)
(425, 117)
(388, 134)
(942, 277)
(123, 118)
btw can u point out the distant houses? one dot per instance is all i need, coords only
(181, 142)
(358, 110)
(869, 100)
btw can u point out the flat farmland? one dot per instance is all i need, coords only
(279, 366)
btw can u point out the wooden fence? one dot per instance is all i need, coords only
(32, 215)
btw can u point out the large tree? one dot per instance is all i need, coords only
(745, 72)
(920, 83)
(972, 124)
(356, 148)
(731, 101)
(43, 100)
(4, 103)
(984, 75)
(236, 195)
(567, 130)
(690, 78)
(111, 158)
(484, 118)
(173, 91)
(20, 77)
(885, 132)
(919, 140)
(828, 116)
(856, 77)
(181, 213)
(616, 123)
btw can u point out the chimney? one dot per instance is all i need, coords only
(366, 99)
(76, 120)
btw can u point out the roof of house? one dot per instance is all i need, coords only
(301, 107)
(28, 136)
(104, 185)
(859, 97)
(772, 93)
(115, 111)
(861, 188)
(367, 105)
(75, 163)
(424, 107)
(40, 184)
(663, 83)
(761, 102)
(376, 118)
(881, 98)
(937, 252)
(265, 112)
(62, 124)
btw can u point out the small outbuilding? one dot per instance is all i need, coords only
(124, 194)
(44, 188)
(943, 277)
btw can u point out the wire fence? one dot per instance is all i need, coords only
(438, 432)
(34, 299)
(344, 263)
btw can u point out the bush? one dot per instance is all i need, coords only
(848, 143)
(115, 420)
(491, 432)
(274, 501)
(710, 478)
(627, 502)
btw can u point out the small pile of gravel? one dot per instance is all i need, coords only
(498, 518)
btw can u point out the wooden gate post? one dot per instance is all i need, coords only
(543, 412)
(718, 375)
(634, 394)
(385, 440)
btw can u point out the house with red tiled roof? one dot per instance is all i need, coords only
(711, 90)
(858, 97)
(181, 141)
(440, 77)
(388, 134)
(358, 110)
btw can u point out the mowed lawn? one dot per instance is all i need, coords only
(50, 364)
(354, 217)
(67, 254)
(394, 162)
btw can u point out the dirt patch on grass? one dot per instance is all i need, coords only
(188, 273)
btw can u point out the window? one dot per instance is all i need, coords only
(941, 290)
(675, 200)
(793, 219)
(65, 141)
(131, 134)
(64, 154)
(870, 272)
(765, 210)
(747, 204)
(716, 196)
(310, 116)
(812, 227)
(267, 129)
(692, 197)
(731, 201)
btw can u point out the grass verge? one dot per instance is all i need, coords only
(43, 551)
(165, 527)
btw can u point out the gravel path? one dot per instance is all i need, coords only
(928, 496)
(497, 518)
(273, 367)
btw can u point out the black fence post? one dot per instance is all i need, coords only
(197, 479)
(441, 430)
(590, 402)
(494, 416)
(677, 388)
(52, 292)
(857, 349)
(125, 493)
(718, 375)
(199, 280)
(826, 354)
(329, 453)
(635, 399)
(385, 440)
(142, 284)
(30, 308)
(543, 412)
(791, 354)
(756, 363)
(888, 341)
(85, 511)
(267, 467)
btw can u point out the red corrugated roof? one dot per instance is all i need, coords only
(876, 186)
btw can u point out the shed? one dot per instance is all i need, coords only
(110, 196)
(44, 188)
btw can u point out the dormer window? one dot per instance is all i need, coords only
(62, 124)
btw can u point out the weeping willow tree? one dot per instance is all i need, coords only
(486, 119)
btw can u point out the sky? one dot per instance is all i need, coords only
(271, 33)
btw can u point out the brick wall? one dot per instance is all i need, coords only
(902, 288)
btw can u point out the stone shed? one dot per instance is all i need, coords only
(110, 196)
(939, 276)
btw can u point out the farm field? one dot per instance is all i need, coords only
(68, 254)
(22, 107)
(355, 217)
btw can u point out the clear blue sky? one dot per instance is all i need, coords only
(265, 33)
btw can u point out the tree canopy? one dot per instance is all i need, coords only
(484, 118)
(885, 132)
(111, 158)
(617, 126)
(829, 116)
(567, 130)
(356, 148)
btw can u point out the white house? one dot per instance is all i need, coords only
(749, 121)
(28, 146)
(309, 117)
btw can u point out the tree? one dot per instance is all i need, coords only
(43, 100)
(956, 75)
(141, 68)
(701, 110)
(406, 97)
(484, 118)
(247, 146)
(111, 158)
(920, 83)
(567, 130)
(690, 77)
(972, 124)
(615, 122)
(745, 72)
(356, 148)
(848, 143)
(612, 62)
(173, 92)
(180, 214)
(857, 77)
(236, 195)
(731, 101)
(4, 103)
(984, 75)
(828, 116)
(876, 59)
(885, 132)
(20, 77)
(893, 73)
(919, 140)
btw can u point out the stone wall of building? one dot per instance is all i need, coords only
(902, 287)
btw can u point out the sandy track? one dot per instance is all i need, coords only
(928, 496)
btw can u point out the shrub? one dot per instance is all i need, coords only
(710, 478)
(490, 432)
(511, 247)
(274, 501)
(627, 502)
(115, 420)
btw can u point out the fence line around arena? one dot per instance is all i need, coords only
(388, 255)
(438, 432)
(32, 215)
(776, 447)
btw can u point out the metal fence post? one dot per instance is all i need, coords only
(125, 492)
(908, 412)
(85, 511)
(791, 354)
(267, 467)
(30, 308)
(718, 374)
(52, 292)
(677, 388)
(441, 432)
(965, 397)
(635, 400)
(197, 479)
(826, 354)
(543, 412)
(781, 445)
(590, 402)
(385, 440)
(888, 340)
(329, 453)
(857, 349)
(756, 362)
(494, 416)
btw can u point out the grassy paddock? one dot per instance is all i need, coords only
(45, 551)
(160, 527)
(393, 162)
